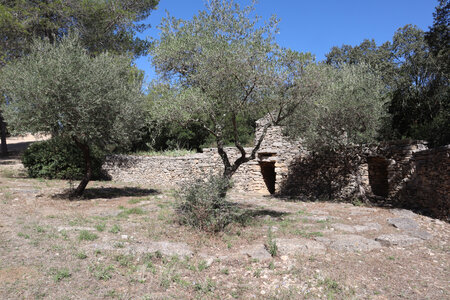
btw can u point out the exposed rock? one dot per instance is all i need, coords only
(352, 242)
(421, 234)
(257, 251)
(403, 213)
(404, 223)
(368, 227)
(397, 240)
(344, 227)
(319, 218)
(165, 248)
(299, 246)
(170, 249)
(355, 211)
(357, 228)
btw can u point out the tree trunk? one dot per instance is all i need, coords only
(4, 150)
(88, 169)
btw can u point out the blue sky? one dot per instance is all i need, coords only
(315, 26)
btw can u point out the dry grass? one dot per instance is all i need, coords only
(54, 248)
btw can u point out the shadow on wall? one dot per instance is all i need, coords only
(324, 176)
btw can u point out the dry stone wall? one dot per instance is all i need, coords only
(401, 173)
(262, 175)
(428, 189)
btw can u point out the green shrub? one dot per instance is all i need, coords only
(203, 205)
(59, 158)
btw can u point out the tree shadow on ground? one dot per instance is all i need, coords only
(249, 213)
(109, 193)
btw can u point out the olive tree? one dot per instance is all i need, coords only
(61, 90)
(220, 67)
(346, 108)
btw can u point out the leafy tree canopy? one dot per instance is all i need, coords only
(102, 24)
(346, 107)
(62, 90)
(221, 66)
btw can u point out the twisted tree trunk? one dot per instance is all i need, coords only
(88, 169)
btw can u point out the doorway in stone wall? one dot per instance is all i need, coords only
(269, 175)
(378, 176)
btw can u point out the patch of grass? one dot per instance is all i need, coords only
(271, 244)
(202, 265)
(171, 153)
(137, 200)
(23, 235)
(132, 211)
(39, 229)
(81, 255)
(100, 227)
(119, 245)
(101, 272)
(208, 287)
(306, 234)
(60, 274)
(86, 235)
(391, 257)
(257, 273)
(272, 266)
(64, 234)
(79, 221)
(225, 271)
(331, 286)
(124, 260)
(115, 229)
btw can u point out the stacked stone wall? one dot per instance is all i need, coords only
(428, 190)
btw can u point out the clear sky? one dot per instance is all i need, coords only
(315, 25)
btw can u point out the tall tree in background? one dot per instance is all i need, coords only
(345, 109)
(60, 89)
(103, 25)
(414, 75)
(220, 67)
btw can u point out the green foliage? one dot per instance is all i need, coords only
(221, 69)
(103, 25)
(86, 235)
(59, 158)
(345, 106)
(60, 274)
(62, 90)
(414, 68)
(203, 205)
(271, 244)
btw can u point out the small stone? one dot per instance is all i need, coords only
(257, 251)
(124, 236)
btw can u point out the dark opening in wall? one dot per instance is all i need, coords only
(269, 175)
(378, 176)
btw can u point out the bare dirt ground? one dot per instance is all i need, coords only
(123, 242)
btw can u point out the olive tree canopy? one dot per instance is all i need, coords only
(62, 90)
(222, 66)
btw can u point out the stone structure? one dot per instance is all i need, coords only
(428, 189)
(261, 175)
(401, 173)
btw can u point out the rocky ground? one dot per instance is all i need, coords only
(123, 241)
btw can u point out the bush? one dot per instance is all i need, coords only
(203, 205)
(60, 158)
